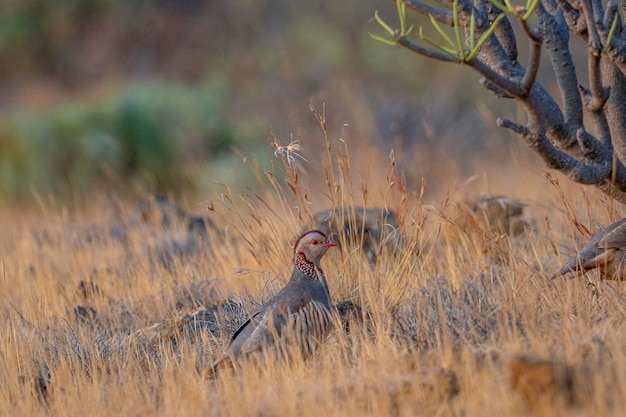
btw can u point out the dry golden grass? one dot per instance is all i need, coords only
(92, 321)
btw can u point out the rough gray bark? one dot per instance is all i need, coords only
(589, 150)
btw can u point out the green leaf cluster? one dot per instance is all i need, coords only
(393, 35)
(455, 48)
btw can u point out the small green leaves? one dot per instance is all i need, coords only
(401, 14)
(457, 28)
(475, 48)
(504, 8)
(507, 7)
(383, 40)
(382, 23)
(457, 49)
(394, 35)
(531, 5)
(611, 32)
(451, 49)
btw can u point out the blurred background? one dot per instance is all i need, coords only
(176, 95)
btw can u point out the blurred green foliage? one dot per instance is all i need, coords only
(145, 135)
(99, 93)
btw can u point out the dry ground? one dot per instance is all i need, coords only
(96, 303)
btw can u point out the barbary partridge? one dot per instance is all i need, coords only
(300, 314)
(606, 251)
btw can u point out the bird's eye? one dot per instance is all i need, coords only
(315, 242)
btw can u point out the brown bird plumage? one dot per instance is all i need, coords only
(300, 314)
(606, 251)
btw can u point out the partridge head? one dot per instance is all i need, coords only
(309, 250)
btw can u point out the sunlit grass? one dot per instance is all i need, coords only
(439, 333)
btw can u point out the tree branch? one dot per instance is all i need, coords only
(439, 56)
(599, 94)
(557, 133)
(506, 37)
(533, 58)
(557, 159)
(593, 40)
(615, 106)
(609, 15)
(593, 149)
(617, 47)
(496, 51)
(554, 31)
(426, 10)
(598, 118)
(617, 53)
(572, 17)
(494, 89)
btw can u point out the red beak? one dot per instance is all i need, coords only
(330, 243)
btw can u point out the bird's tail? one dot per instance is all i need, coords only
(570, 267)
